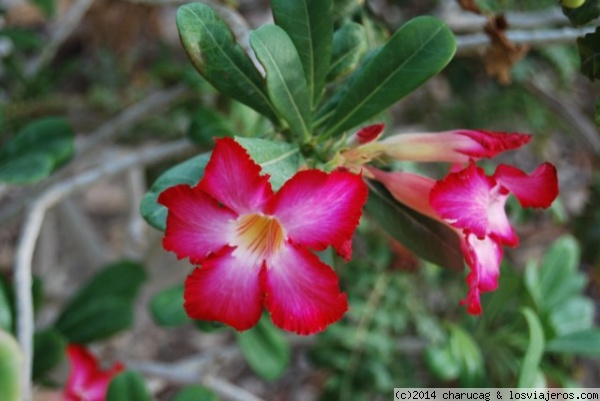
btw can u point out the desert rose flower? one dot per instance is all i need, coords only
(254, 247)
(87, 381)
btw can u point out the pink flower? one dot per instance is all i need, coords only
(456, 146)
(253, 245)
(473, 204)
(87, 382)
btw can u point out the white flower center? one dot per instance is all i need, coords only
(257, 236)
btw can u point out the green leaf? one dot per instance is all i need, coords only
(558, 276)
(121, 280)
(286, 84)
(535, 350)
(6, 309)
(280, 160)
(11, 366)
(309, 24)
(442, 363)
(96, 321)
(589, 54)
(265, 349)
(429, 239)
(37, 150)
(48, 351)
(195, 393)
(188, 172)
(167, 309)
(211, 46)
(420, 49)
(585, 343)
(207, 124)
(128, 386)
(574, 314)
(349, 47)
(464, 348)
(589, 11)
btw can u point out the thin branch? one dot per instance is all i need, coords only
(570, 114)
(64, 27)
(33, 223)
(469, 44)
(135, 113)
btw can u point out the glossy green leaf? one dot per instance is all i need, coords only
(265, 349)
(6, 309)
(589, 54)
(188, 172)
(195, 393)
(167, 309)
(535, 350)
(589, 11)
(128, 386)
(280, 160)
(96, 321)
(427, 238)
(585, 343)
(37, 150)
(48, 351)
(349, 47)
(11, 366)
(286, 84)
(420, 49)
(121, 280)
(207, 124)
(309, 24)
(502, 6)
(211, 46)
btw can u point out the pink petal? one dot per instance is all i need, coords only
(234, 179)
(474, 202)
(196, 225)
(463, 198)
(83, 367)
(86, 379)
(407, 188)
(318, 209)
(489, 144)
(368, 134)
(302, 293)
(539, 189)
(225, 289)
(483, 257)
(457, 146)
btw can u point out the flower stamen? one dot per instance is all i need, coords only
(257, 236)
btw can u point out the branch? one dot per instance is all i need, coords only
(64, 27)
(33, 223)
(473, 43)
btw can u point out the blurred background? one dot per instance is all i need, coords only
(116, 72)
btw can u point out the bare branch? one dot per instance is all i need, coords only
(469, 44)
(64, 27)
(33, 223)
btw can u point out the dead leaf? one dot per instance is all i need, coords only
(502, 53)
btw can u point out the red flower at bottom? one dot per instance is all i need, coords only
(254, 245)
(87, 382)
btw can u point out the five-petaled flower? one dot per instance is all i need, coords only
(254, 245)
(86, 381)
(473, 204)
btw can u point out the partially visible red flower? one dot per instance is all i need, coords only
(366, 134)
(87, 381)
(473, 204)
(456, 146)
(254, 245)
